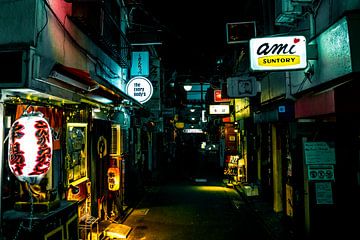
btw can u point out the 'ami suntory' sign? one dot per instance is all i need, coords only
(278, 53)
(140, 88)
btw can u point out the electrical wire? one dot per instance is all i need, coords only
(43, 27)
(86, 53)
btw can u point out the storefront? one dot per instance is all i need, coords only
(86, 174)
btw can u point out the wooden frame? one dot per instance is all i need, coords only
(49, 235)
(76, 153)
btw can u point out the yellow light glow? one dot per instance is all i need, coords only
(114, 178)
(212, 189)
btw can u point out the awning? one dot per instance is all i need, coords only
(315, 105)
(89, 85)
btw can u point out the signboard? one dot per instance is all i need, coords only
(321, 172)
(193, 130)
(240, 32)
(219, 109)
(319, 153)
(323, 191)
(140, 64)
(218, 97)
(278, 53)
(139, 88)
(240, 87)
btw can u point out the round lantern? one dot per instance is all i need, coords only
(30, 148)
(113, 178)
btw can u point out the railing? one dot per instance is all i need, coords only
(99, 25)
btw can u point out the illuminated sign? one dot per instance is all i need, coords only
(193, 130)
(140, 64)
(278, 53)
(140, 88)
(30, 148)
(218, 97)
(219, 109)
(179, 125)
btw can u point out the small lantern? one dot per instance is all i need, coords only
(113, 178)
(30, 148)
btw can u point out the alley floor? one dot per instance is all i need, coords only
(193, 210)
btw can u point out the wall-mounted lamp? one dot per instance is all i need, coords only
(187, 85)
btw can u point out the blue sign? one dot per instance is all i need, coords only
(140, 64)
(282, 109)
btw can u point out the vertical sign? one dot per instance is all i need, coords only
(140, 64)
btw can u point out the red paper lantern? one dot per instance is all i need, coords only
(113, 178)
(30, 148)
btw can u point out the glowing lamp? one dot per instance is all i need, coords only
(113, 178)
(30, 148)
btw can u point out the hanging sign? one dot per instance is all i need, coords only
(240, 87)
(218, 97)
(278, 53)
(30, 148)
(140, 88)
(219, 109)
(140, 64)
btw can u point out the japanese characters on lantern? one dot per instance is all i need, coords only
(30, 148)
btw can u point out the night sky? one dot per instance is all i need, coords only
(193, 32)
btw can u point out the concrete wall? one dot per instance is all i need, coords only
(55, 38)
(18, 22)
(336, 35)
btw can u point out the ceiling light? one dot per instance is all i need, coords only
(187, 85)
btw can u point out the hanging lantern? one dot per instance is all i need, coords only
(113, 178)
(30, 148)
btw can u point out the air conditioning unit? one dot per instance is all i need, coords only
(288, 7)
(287, 12)
(115, 148)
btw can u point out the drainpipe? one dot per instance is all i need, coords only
(306, 195)
(307, 210)
(312, 25)
(2, 129)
